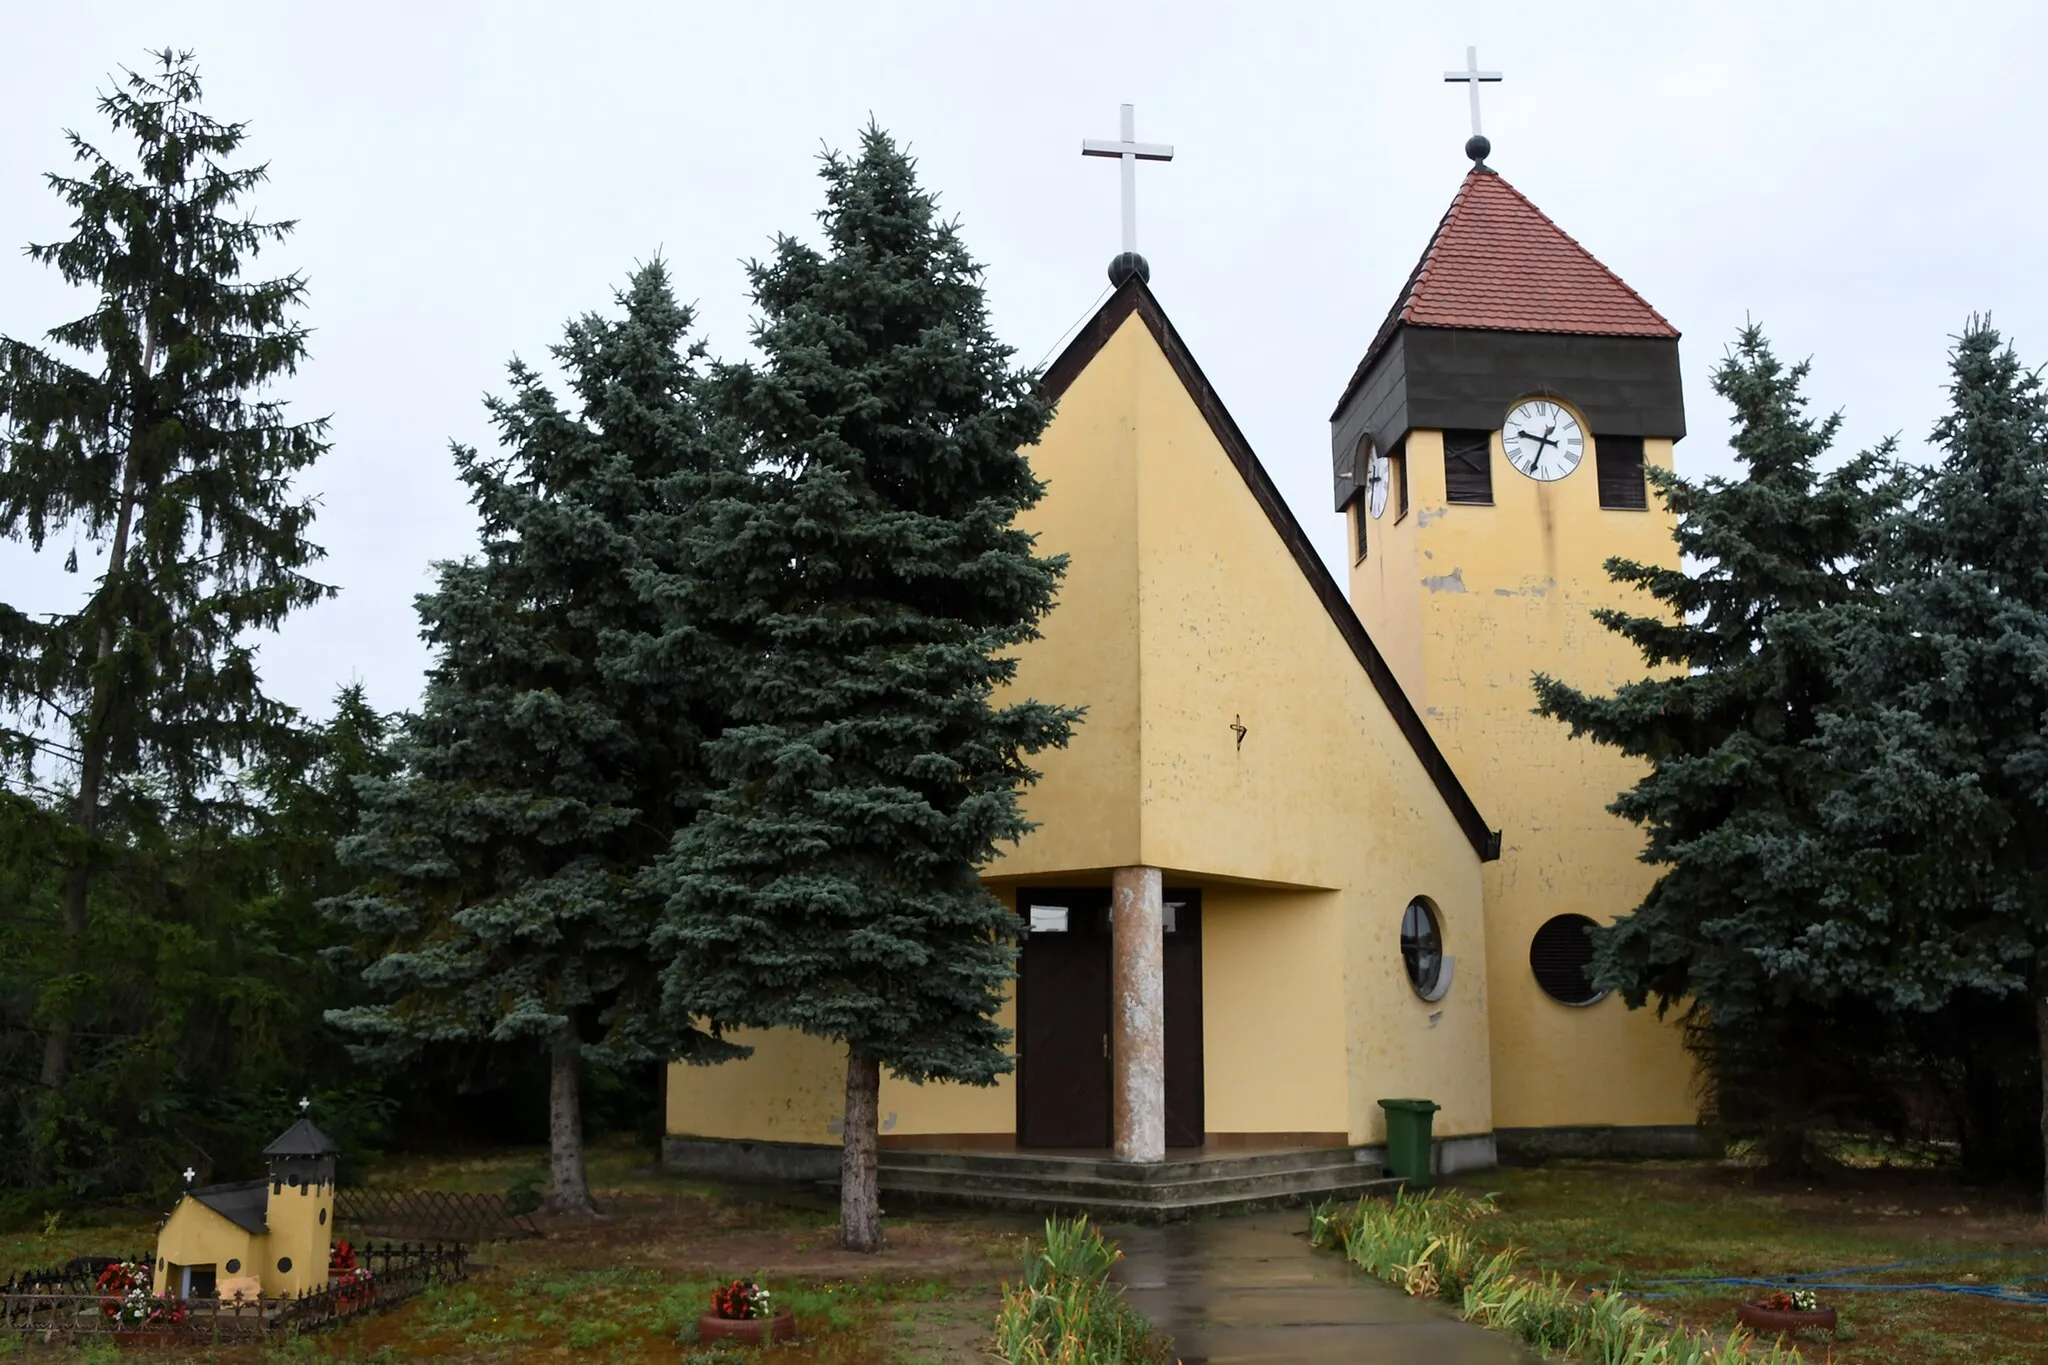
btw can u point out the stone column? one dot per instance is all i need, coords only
(1137, 1015)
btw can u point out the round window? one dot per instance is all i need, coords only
(234, 1266)
(284, 1265)
(323, 1218)
(1422, 949)
(1561, 957)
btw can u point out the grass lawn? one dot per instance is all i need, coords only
(1595, 1221)
(628, 1286)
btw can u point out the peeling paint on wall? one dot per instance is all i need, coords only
(1454, 581)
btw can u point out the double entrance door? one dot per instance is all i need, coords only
(1064, 1046)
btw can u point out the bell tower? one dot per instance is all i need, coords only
(1489, 456)
(300, 1209)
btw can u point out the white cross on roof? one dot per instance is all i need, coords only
(1130, 151)
(1472, 76)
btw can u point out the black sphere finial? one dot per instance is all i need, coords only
(1127, 264)
(1477, 147)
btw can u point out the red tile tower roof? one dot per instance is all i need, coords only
(1497, 262)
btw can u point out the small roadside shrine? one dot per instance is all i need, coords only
(267, 1238)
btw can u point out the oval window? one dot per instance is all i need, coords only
(234, 1266)
(1561, 958)
(323, 1218)
(1422, 950)
(284, 1265)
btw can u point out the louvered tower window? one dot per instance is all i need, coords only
(1620, 460)
(1468, 466)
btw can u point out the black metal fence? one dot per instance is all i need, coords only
(471, 1218)
(37, 1305)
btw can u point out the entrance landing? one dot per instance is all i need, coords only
(1252, 1289)
(1180, 1187)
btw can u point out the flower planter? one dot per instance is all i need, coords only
(141, 1339)
(1772, 1321)
(750, 1331)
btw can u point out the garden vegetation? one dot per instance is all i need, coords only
(1424, 1245)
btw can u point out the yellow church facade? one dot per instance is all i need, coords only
(1309, 849)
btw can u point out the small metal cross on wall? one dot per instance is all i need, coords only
(1130, 151)
(1472, 76)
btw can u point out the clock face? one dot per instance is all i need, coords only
(1378, 475)
(1543, 440)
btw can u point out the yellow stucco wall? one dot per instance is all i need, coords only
(792, 1089)
(195, 1235)
(1273, 1011)
(1183, 613)
(301, 1220)
(1478, 599)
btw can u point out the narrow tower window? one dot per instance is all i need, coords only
(1620, 459)
(1468, 466)
(1397, 474)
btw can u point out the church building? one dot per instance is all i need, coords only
(1310, 848)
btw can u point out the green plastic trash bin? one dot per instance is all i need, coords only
(1408, 1124)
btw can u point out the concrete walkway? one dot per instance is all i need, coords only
(1251, 1288)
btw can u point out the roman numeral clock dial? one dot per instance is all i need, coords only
(1543, 440)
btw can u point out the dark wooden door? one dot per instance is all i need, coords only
(1063, 1019)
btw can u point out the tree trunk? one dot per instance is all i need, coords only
(570, 1192)
(2041, 1035)
(92, 758)
(860, 1198)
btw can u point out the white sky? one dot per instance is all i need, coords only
(1858, 177)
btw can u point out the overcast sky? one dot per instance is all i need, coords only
(1857, 177)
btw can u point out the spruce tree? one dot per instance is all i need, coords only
(503, 896)
(1940, 729)
(874, 588)
(142, 432)
(1740, 647)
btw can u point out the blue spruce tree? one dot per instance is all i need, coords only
(1744, 642)
(1940, 730)
(872, 587)
(554, 757)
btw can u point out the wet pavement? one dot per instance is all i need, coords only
(1251, 1288)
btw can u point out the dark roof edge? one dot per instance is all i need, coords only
(1133, 296)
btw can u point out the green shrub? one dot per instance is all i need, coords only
(1423, 1243)
(1067, 1312)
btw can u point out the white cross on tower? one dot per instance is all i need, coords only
(189, 1173)
(304, 1104)
(1472, 76)
(1130, 151)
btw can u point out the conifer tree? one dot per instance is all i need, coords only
(874, 587)
(1741, 645)
(502, 895)
(1940, 727)
(141, 431)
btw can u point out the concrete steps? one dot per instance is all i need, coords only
(1178, 1188)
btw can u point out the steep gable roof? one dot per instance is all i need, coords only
(1133, 296)
(1498, 263)
(245, 1203)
